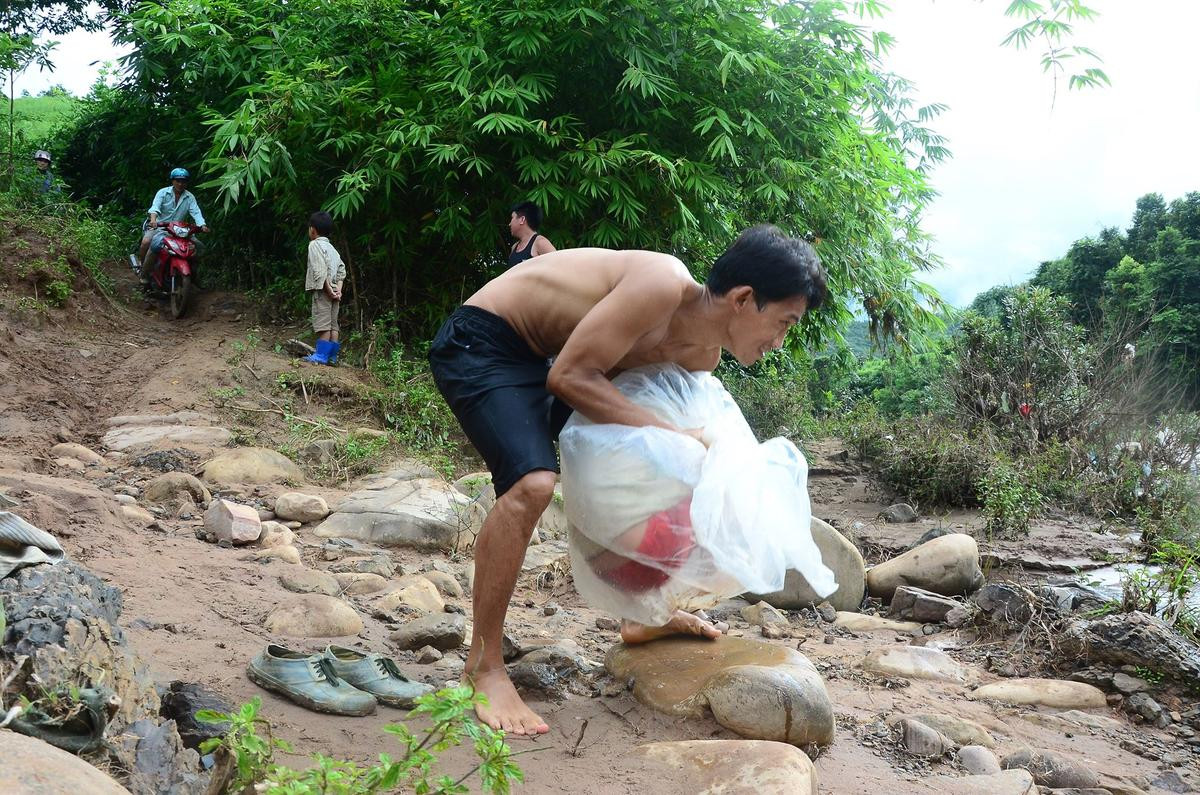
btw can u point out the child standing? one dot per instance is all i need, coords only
(325, 276)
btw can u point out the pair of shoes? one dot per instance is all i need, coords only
(339, 681)
(321, 356)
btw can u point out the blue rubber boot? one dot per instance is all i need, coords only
(321, 356)
(331, 357)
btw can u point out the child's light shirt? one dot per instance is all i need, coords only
(324, 265)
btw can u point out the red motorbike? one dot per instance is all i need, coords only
(172, 273)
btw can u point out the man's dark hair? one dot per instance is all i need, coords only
(531, 212)
(775, 266)
(322, 222)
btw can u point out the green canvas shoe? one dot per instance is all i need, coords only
(308, 680)
(377, 675)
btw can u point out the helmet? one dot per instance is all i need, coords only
(42, 154)
(180, 173)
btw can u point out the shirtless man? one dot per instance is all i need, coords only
(599, 312)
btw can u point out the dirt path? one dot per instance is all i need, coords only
(194, 611)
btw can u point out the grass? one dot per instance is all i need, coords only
(38, 116)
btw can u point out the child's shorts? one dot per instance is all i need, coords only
(324, 312)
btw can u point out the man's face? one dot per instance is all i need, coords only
(42, 164)
(515, 223)
(180, 185)
(752, 331)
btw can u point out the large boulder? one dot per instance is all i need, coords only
(182, 428)
(421, 513)
(442, 631)
(865, 622)
(1043, 692)
(34, 767)
(310, 581)
(917, 604)
(839, 555)
(171, 487)
(1133, 639)
(948, 566)
(915, 662)
(75, 451)
(1052, 770)
(478, 486)
(252, 465)
(298, 507)
(758, 690)
(960, 730)
(314, 616)
(731, 767)
(414, 592)
(1008, 782)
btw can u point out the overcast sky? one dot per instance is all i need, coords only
(1025, 180)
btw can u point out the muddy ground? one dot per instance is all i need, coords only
(194, 611)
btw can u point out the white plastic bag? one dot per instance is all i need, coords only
(659, 523)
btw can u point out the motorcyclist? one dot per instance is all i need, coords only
(173, 203)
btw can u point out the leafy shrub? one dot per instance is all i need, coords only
(773, 394)
(1009, 500)
(1164, 590)
(250, 757)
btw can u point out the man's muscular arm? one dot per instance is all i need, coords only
(649, 292)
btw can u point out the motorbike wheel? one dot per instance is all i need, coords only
(181, 295)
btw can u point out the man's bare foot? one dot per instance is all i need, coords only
(505, 709)
(680, 624)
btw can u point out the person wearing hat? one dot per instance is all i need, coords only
(173, 203)
(44, 176)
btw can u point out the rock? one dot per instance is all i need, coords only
(265, 516)
(73, 464)
(948, 566)
(550, 609)
(916, 604)
(252, 465)
(163, 765)
(303, 508)
(1051, 770)
(284, 552)
(180, 704)
(416, 592)
(310, 581)
(34, 767)
(169, 488)
(1171, 781)
(77, 452)
(1043, 692)
(314, 616)
(427, 655)
(551, 556)
(928, 535)
(1080, 718)
(1128, 685)
(915, 662)
(899, 513)
(378, 563)
(762, 614)
(731, 767)
(1008, 782)
(839, 555)
(123, 499)
(920, 740)
(1147, 708)
(827, 612)
(1133, 639)
(759, 690)
(865, 622)
(552, 669)
(360, 582)
(1004, 603)
(608, 624)
(423, 514)
(443, 631)
(962, 731)
(232, 522)
(446, 584)
(129, 438)
(978, 761)
(510, 648)
(322, 452)
(275, 535)
(137, 516)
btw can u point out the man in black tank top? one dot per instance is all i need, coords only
(524, 223)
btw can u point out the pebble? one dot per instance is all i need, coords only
(550, 609)
(608, 623)
(428, 654)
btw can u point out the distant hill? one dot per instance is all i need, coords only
(37, 116)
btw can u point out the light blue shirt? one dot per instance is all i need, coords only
(167, 209)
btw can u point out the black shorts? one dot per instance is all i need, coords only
(496, 386)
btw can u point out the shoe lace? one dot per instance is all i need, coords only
(387, 667)
(324, 669)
